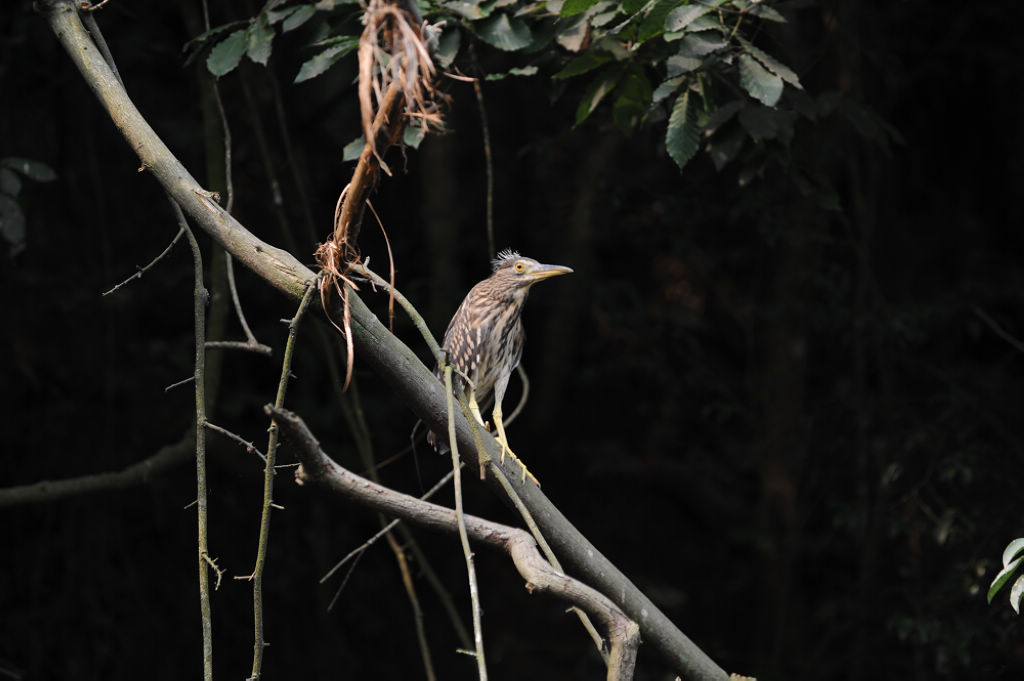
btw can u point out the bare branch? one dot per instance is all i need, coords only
(393, 361)
(319, 469)
(139, 473)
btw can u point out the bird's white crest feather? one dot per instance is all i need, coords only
(503, 257)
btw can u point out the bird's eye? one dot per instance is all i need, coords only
(519, 267)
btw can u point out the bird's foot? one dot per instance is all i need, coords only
(505, 449)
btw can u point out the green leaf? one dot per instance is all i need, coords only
(762, 85)
(316, 65)
(596, 91)
(206, 35)
(682, 138)
(586, 62)
(10, 183)
(514, 71)
(34, 170)
(508, 34)
(448, 47)
(654, 23)
(298, 18)
(261, 37)
(1016, 593)
(353, 149)
(683, 16)
(571, 8)
(775, 66)
(572, 37)
(468, 10)
(724, 147)
(226, 54)
(412, 136)
(666, 88)
(769, 13)
(764, 123)
(1012, 549)
(275, 16)
(1003, 577)
(12, 220)
(696, 46)
(678, 64)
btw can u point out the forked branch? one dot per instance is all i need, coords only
(319, 469)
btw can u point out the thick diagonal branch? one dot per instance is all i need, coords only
(401, 369)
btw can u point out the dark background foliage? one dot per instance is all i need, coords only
(779, 411)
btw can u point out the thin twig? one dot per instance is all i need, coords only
(1000, 331)
(474, 595)
(384, 530)
(143, 270)
(540, 575)
(201, 297)
(249, 346)
(488, 166)
(268, 490)
(249, 446)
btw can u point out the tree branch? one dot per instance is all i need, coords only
(393, 361)
(319, 469)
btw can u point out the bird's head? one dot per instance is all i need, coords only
(516, 272)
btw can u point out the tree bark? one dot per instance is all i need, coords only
(400, 368)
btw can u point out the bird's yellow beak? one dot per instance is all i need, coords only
(547, 271)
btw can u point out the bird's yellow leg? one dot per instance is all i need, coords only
(503, 441)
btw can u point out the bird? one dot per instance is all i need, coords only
(484, 340)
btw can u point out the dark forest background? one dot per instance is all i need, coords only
(788, 416)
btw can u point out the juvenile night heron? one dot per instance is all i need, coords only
(485, 338)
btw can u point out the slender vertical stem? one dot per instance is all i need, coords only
(474, 594)
(259, 642)
(201, 298)
(488, 166)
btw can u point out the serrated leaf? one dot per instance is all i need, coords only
(666, 88)
(319, 63)
(1016, 593)
(226, 54)
(298, 18)
(515, 71)
(572, 37)
(468, 10)
(206, 35)
(596, 91)
(762, 84)
(678, 64)
(696, 46)
(586, 62)
(1012, 549)
(261, 37)
(1003, 577)
(571, 8)
(448, 47)
(34, 170)
(681, 17)
(682, 139)
(505, 33)
(724, 114)
(275, 16)
(769, 13)
(772, 64)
